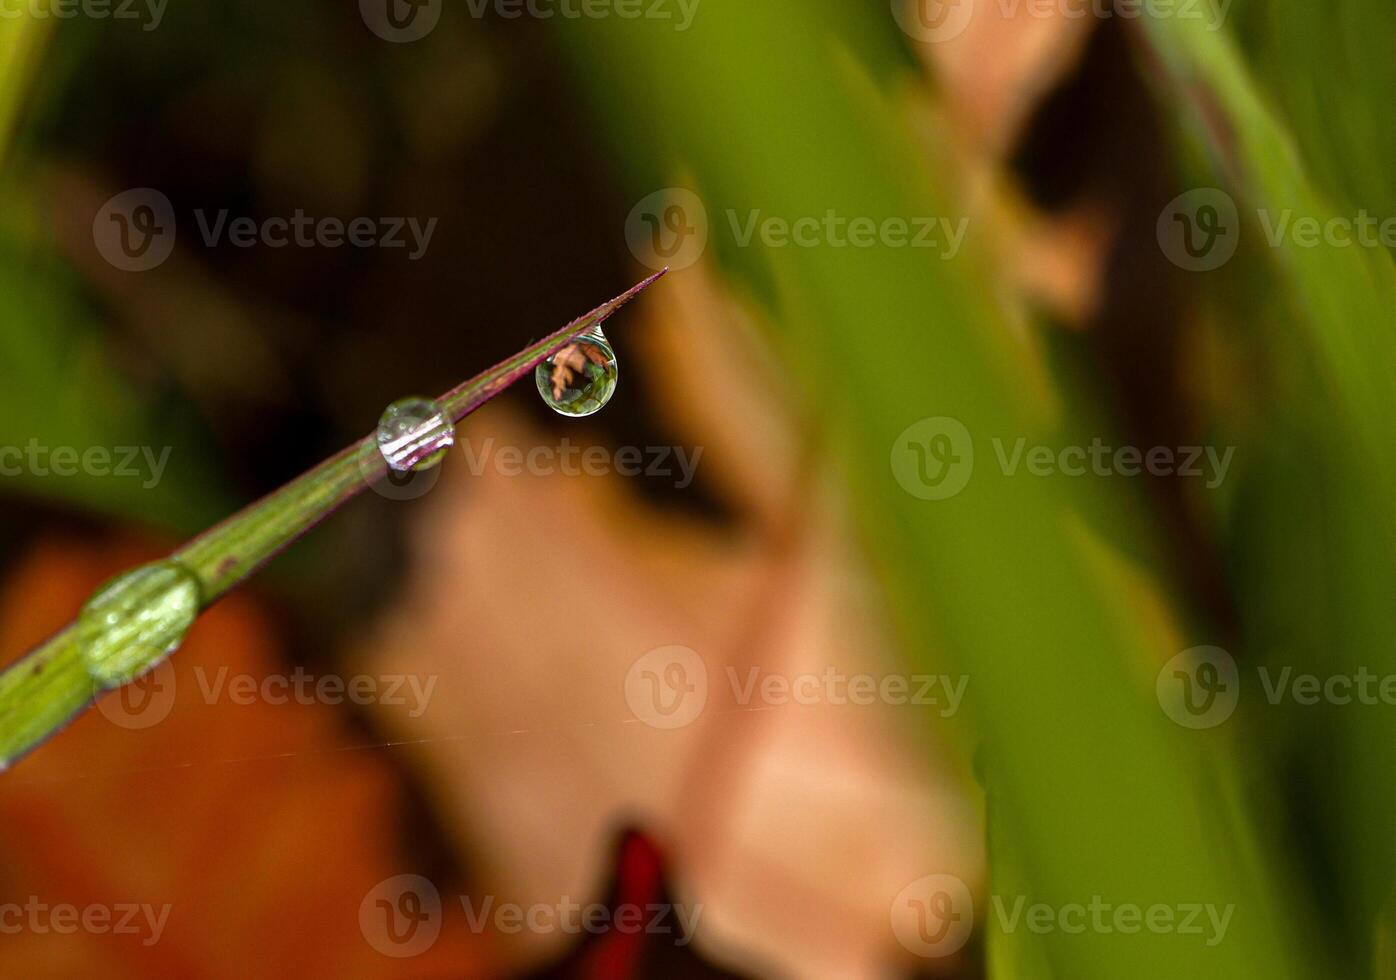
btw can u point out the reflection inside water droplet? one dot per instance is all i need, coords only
(136, 620)
(581, 378)
(415, 434)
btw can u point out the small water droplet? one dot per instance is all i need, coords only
(581, 378)
(136, 620)
(415, 434)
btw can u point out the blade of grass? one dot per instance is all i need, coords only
(1316, 536)
(1101, 795)
(45, 689)
(1329, 70)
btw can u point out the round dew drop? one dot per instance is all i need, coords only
(415, 434)
(136, 620)
(581, 378)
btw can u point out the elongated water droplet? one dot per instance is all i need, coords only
(415, 434)
(136, 620)
(581, 378)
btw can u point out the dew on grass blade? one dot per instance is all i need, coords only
(415, 434)
(136, 620)
(133, 623)
(581, 378)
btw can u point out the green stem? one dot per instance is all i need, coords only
(49, 686)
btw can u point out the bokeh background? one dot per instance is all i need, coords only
(511, 616)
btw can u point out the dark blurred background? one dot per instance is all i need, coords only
(507, 620)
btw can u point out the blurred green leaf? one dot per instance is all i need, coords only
(1329, 70)
(21, 39)
(768, 108)
(1314, 535)
(61, 389)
